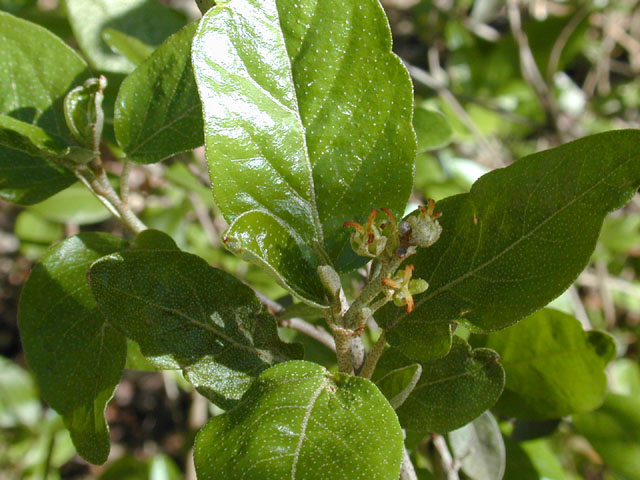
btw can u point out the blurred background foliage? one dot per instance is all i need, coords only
(494, 80)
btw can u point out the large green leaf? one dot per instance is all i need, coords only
(158, 110)
(298, 421)
(553, 367)
(186, 314)
(451, 391)
(307, 124)
(520, 237)
(25, 179)
(37, 69)
(76, 354)
(33, 82)
(146, 20)
(614, 431)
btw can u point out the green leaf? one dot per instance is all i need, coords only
(30, 139)
(185, 314)
(148, 21)
(432, 129)
(33, 82)
(614, 431)
(320, 131)
(158, 111)
(74, 205)
(553, 367)
(76, 354)
(398, 384)
(37, 70)
(300, 421)
(451, 391)
(479, 448)
(521, 236)
(26, 180)
(133, 49)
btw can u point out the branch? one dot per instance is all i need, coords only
(302, 326)
(310, 330)
(446, 459)
(407, 472)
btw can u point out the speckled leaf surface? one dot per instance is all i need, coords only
(158, 111)
(521, 236)
(303, 122)
(76, 354)
(33, 82)
(186, 314)
(451, 391)
(298, 421)
(553, 367)
(146, 20)
(479, 448)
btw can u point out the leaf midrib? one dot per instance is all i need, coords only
(513, 245)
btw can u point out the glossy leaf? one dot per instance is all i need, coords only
(300, 421)
(553, 367)
(33, 82)
(26, 179)
(521, 236)
(185, 314)
(479, 448)
(324, 132)
(614, 431)
(158, 111)
(432, 129)
(133, 49)
(146, 20)
(33, 79)
(76, 354)
(451, 391)
(30, 139)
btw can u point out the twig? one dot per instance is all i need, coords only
(578, 308)
(310, 330)
(407, 472)
(302, 326)
(374, 355)
(528, 67)
(124, 182)
(446, 459)
(95, 179)
(561, 41)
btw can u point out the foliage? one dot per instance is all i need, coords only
(394, 319)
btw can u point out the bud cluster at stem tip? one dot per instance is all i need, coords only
(388, 240)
